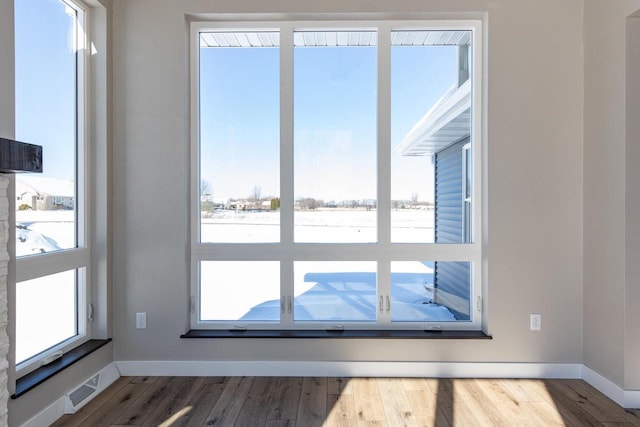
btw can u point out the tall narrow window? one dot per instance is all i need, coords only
(333, 174)
(50, 208)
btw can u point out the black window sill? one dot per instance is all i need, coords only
(279, 333)
(43, 373)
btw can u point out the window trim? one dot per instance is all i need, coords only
(77, 258)
(382, 252)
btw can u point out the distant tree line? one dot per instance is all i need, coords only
(255, 201)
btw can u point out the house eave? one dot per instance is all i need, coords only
(447, 122)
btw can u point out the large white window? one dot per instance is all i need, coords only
(336, 175)
(51, 209)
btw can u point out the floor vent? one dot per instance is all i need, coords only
(83, 394)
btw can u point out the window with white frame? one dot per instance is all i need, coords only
(51, 228)
(328, 184)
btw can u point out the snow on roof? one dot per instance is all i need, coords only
(448, 121)
(44, 186)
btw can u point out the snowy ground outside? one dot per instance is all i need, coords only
(335, 291)
(317, 226)
(45, 313)
(44, 231)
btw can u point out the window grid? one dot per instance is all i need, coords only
(286, 251)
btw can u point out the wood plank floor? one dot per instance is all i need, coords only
(280, 402)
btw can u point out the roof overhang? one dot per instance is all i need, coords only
(447, 122)
(333, 38)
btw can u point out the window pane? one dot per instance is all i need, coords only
(425, 291)
(240, 290)
(335, 86)
(45, 313)
(239, 137)
(46, 112)
(336, 291)
(430, 123)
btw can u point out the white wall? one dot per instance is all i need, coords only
(611, 278)
(632, 232)
(7, 70)
(535, 98)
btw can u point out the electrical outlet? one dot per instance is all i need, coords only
(535, 322)
(141, 320)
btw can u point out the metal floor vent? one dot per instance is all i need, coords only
(84, 391)
(80, 396)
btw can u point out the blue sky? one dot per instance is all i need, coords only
(334, 109)
(45, 83)
(334, 119)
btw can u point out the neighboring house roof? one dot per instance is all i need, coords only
(448, 121)
(43, 186)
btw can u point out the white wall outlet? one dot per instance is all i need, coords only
(535, 322)
(141, 320)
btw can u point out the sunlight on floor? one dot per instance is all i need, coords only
(176, 417)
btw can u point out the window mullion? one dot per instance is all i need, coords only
(384, 170)
(286, 294)
(286, 135)
(195, 300)
(286, 171)
(383, 300)
(384, 135)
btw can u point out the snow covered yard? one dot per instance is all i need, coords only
(44, 231)
(317, 225)
(333, 291)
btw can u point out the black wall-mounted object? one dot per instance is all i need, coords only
(18, 156)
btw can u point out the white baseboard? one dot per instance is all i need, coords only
(631, 399)
(624, 398)
(56, 410)
(48, 415)
(349, 369)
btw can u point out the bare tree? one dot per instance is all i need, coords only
(414, 199)
(256, 193)
(309, 203)
(205, 188)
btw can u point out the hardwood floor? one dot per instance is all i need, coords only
(280, 402)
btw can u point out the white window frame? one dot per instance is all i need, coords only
(78, 258)
(467, 226)
(383, 252)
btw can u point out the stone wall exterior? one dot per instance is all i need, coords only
(4, 262)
